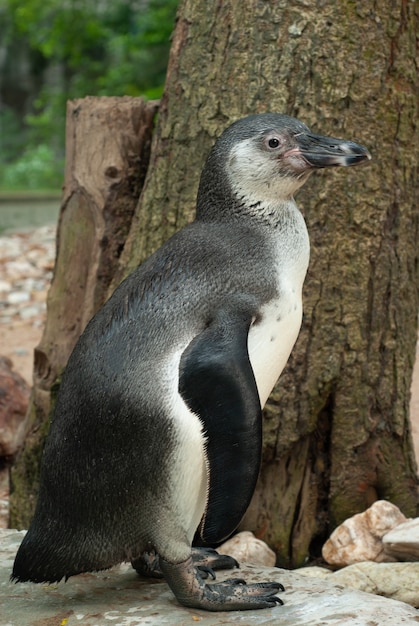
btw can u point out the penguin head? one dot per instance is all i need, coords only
(265, 158)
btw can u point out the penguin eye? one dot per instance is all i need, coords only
(273, 143)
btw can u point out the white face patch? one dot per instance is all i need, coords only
(255, 175)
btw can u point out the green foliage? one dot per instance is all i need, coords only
(12, 139)
(37, 168)
(95, 41)
(78, 48)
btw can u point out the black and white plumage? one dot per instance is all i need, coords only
(157, 426)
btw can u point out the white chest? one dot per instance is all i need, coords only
(271, 340)
(272, 337)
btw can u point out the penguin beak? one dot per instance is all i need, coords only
(319, 151)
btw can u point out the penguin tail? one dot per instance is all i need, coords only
(35, 562)
(49, 556)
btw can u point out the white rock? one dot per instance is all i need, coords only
(39, 284)
(8, 314)
(21, 351)
(5, 286)
(359, 538)
(314, 571)
(16, 297)
(9, 247)
(399, 581)
(246, 548)
(16, 269)
(30, 311)
(402, 542)
(4, 497)
(382, 516)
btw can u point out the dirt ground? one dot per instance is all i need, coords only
(17, 341)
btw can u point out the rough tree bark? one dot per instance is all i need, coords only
(107, 151)
(337, 431)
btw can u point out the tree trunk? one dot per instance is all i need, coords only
(337, 433)
(107, 152)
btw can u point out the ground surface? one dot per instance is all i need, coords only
(120, 597)
(26, 263)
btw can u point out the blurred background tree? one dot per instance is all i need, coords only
(52, 51)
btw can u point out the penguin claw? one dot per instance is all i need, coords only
(235, 581)
(206, 571)
(230, 595)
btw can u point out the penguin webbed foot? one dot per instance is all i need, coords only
(148, 565)
(205, 559)
(231, 595)
(208, 557)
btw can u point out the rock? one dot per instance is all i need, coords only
(4, 496)
(359, 538)
(20, 267)
(402, 543)
(315, 571)
(118, 596)
(16, 297)
(14, 398)
(246, 548)
(399, 581)
(5, 286)
(21, 351)
(31, 311)
(26, 261)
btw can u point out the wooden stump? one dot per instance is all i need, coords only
(107, 154)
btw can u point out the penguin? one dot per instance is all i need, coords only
(157, 431)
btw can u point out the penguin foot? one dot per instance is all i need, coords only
(205, 559)
(231, 595)
(208, 557)
(148, 565)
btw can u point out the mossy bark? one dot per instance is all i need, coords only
(337, 433)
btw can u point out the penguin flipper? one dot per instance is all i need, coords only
(217, 383)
